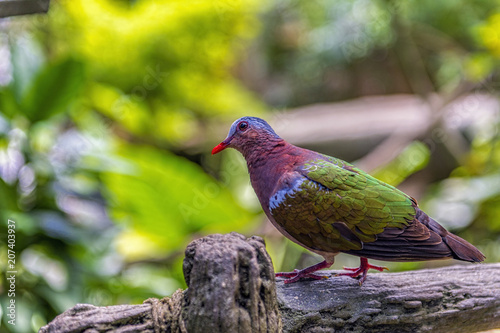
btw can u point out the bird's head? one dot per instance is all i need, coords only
(244, 132)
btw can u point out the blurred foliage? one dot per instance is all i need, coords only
(328, 50)
(109, 109)
(489, 36)
(167, 188)
(156, 64)
(412, 159)
(103, 97)
(469, 198)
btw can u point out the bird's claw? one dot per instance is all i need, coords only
(288, 274)
(297, 275)
(361, 271)
(305, 273)
(378, 268)
(356, 274)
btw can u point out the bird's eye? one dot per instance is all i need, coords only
(243, 126)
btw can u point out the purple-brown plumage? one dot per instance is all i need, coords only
(328, 206)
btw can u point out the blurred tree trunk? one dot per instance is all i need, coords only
(23, 7)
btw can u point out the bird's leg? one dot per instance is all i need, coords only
(306, 272)
(361, 271)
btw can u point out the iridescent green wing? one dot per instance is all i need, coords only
(336, 207)
(366, 204)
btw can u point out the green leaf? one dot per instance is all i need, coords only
(8, 195)
(166, 198)
(8, 103)
(53, 90)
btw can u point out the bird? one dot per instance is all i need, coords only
(329, 206)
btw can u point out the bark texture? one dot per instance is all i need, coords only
(461, 298)
(152, 316)
(231, 288)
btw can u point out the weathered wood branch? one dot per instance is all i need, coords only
(461, 298)
(231, 288)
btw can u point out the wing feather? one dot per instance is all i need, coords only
(329, 205)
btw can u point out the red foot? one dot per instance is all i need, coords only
(361, 271)
(296, 275)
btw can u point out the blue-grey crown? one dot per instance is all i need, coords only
(254, 122)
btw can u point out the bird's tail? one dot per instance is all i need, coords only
(461, 249)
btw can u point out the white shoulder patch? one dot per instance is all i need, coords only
(280, 195)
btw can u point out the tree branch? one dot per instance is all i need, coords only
(460, 298)
(231, 288)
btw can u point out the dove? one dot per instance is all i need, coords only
(329, 206)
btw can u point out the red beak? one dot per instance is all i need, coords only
(220, 147)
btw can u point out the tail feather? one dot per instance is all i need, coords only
(424, 239)
(461, 249)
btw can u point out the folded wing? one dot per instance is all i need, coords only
(330, 206)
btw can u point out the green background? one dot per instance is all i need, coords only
(109, 110)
